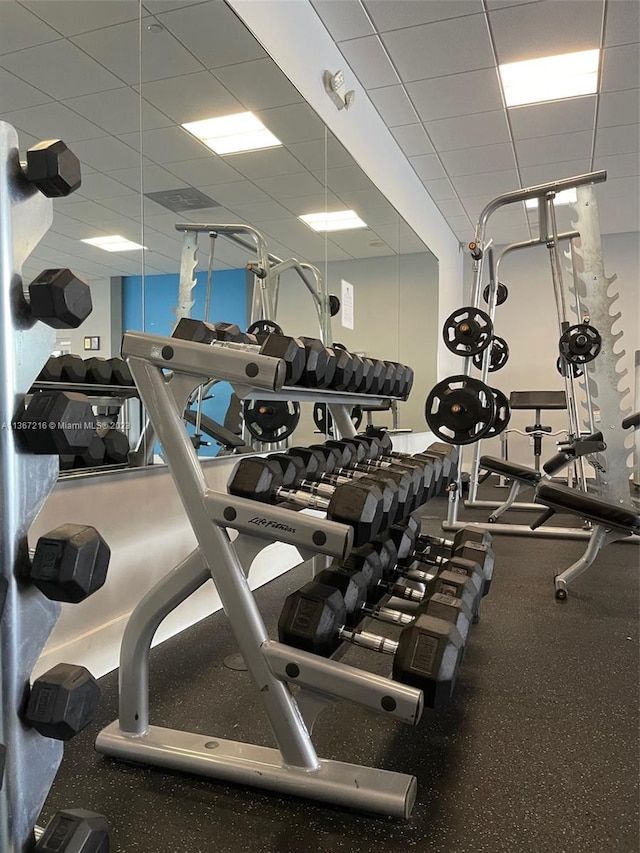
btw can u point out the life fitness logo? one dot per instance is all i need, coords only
(274, 525)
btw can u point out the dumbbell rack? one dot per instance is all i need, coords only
(166, 371)
(27, 619)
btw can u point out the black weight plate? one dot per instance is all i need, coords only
(460, 410)
(501, 294)
(264, 327)
(571, 369)
(580, 344)
(334, 304)
(271, 420)
(467, 331)
(502, 416)
(324, 422)
(498, 358)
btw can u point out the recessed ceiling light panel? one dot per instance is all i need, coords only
(113, 243)
(550, 78)
(340, 220)
(233, 134)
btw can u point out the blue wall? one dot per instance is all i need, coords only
(229, 303)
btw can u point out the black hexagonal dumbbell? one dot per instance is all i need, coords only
(120, 373)
(73, 369)
(117, 447)
(56, 423)
(426, 656)
(62, 702)
(92, 457)
(52, 168)
(320, 365)
(290, 350)
(69, 563)
(60, 299)
(354, 504)
(353, 379)
(52, 371)
(99, 370)
(75, 831)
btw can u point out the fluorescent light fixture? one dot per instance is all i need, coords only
(564, 197)
(232, 134)
(114, 243)
(550, 78)
(340, 220)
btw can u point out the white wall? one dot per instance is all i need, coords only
(528, 322)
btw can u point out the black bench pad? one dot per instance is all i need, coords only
(588, 506)
(511, 470)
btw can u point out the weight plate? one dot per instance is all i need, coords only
(460, 410)
(334, 304)
(271, 420)
(264, 327)
(574, 369)
(324, 422)
(498, 358)
(580, 344)
(501, 294)
(467, 331)
(502, 416)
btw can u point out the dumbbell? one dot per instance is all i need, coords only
(116, 447)
(69, 563)
(92, 457)
(73, 369)
(358, 505)
(62, 702)
(60, 299)
(426, 655)
(99, 370)
(357, 369)
(74, 831)
(473, 535)
(440, 455)
(320, 366)
(51, 372)
(56, 423)
(52, 168)
(120, 373)
(290, 350)
(343, 376)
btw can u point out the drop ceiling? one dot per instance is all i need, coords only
(72, 69)
(430, 68)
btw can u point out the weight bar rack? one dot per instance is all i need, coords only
(27, 618)
(166, 371)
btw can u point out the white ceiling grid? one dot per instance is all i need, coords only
(430, 67)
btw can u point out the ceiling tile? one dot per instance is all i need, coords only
(620, 68)
(117, 48)
(358, 243)
(191, 97)
(619, 165)
(16, 94)
(239, 192)
(617, 218)
(295, 123)
(462, 131)
(427, 167)
(371, 205)
(619, 108)
(290, 186)
(534, 175)
(618, 140)
(72, 18)
(21, 29)
(156, 179)
(118, 111)
(214, 34)
(450, 207)
(531, 30)
(486, 158)
(343, 20)
(494, 183)
(393, 105)
(456, 95)
(53, 121)
(474, 205)
(205, 171)
(107, 154)
(60, 69)
(259, 84)
(391, 15)
(427, 51)
(97, 186)
(262, 211)
(553, 117)
(413, 140)
(265, 164)
(622, 24)
(554, 149)
(167, 145)
(94, 214)
(501, 4)
(369, 63)
(313, 203)
(296, 235)
(129, 205)
(440, 190)
(619, 187)
(461, 226)
(312, 154)
(345, 179)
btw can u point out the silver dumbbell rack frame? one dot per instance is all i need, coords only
(166, 371)
(28, 618)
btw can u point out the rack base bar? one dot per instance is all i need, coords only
(350, 785)
(516, 507)
(525, 530)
